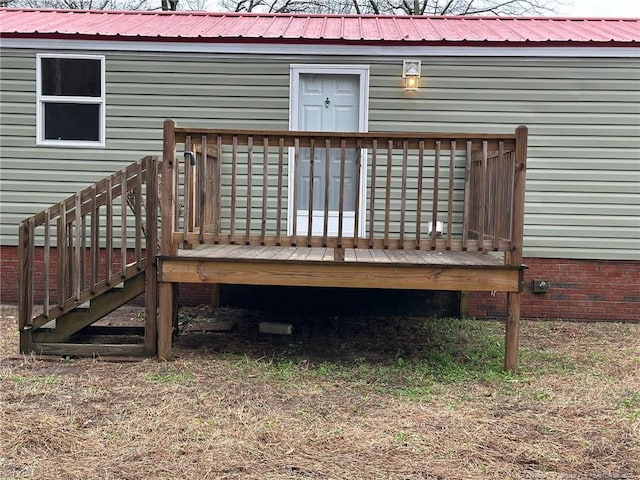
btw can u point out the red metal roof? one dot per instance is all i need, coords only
(337, 29)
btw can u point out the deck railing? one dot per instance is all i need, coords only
(88, 243)
(419, 191)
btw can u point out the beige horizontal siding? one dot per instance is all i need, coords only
(583, 190)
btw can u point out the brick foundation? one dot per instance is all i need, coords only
(578, 290)
(9, 271)
(8, 274)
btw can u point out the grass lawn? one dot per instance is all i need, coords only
(342, 398)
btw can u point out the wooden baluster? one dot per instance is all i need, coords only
(356, 220)
(436, 193)
(95, 240)
(47, 260)
(467, 196)
(75, 249)
(123, 222)
(175, 179)
(327, 184)
(137, 208)
(234, 185)
(419, 199)
(343, 161)
(483, 184)
(249, 188)
(70, 291)
(109, 230)
(265, 188)
(452, 172)
(83, 256)
(372, 200)
(215, 183)
(279, 199)
(294, 181)
(387, 206)
(189, 190)
(403, 193)
(203, 196)
(312, 158)
(61, 252)
(501, 177)
(177, 205)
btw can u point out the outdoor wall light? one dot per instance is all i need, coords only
(411, 74)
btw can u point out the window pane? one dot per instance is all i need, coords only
(72, 121)
(79, 77)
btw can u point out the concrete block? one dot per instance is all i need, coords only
(275, 328)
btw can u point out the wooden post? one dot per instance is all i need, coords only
(216, 298)
(168, 198)
(512, 332)
(167, 247)
(517, 237)
(464, 304)
(151, 291)
(165, 320)
(25, 282)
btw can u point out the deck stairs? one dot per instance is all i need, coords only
(80, 319)
(84, 258)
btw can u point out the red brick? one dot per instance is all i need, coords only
(579, 289)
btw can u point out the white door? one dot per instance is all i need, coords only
(329, 103)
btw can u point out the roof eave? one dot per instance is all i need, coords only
(323, 41)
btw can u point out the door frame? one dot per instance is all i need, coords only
(362, 72)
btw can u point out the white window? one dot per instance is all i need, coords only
(70, 96)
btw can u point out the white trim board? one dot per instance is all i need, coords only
(307, 49)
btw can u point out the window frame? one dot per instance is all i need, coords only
(42, 99)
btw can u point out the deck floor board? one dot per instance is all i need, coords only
(367, 256)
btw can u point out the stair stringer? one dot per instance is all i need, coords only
(74, 321)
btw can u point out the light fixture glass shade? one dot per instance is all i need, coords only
(411, 74)
(411, 83)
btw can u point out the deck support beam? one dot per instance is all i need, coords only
(336, 274)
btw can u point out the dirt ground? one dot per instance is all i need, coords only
(341, 398)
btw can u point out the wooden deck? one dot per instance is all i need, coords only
(348, 268)
(237, 207)
(230, 214)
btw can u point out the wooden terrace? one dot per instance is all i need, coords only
(319, 209)
(228, 216)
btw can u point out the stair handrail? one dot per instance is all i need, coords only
(87, 244)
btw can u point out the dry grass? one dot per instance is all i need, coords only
(352, 398)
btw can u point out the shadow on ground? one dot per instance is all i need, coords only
(320, 337)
